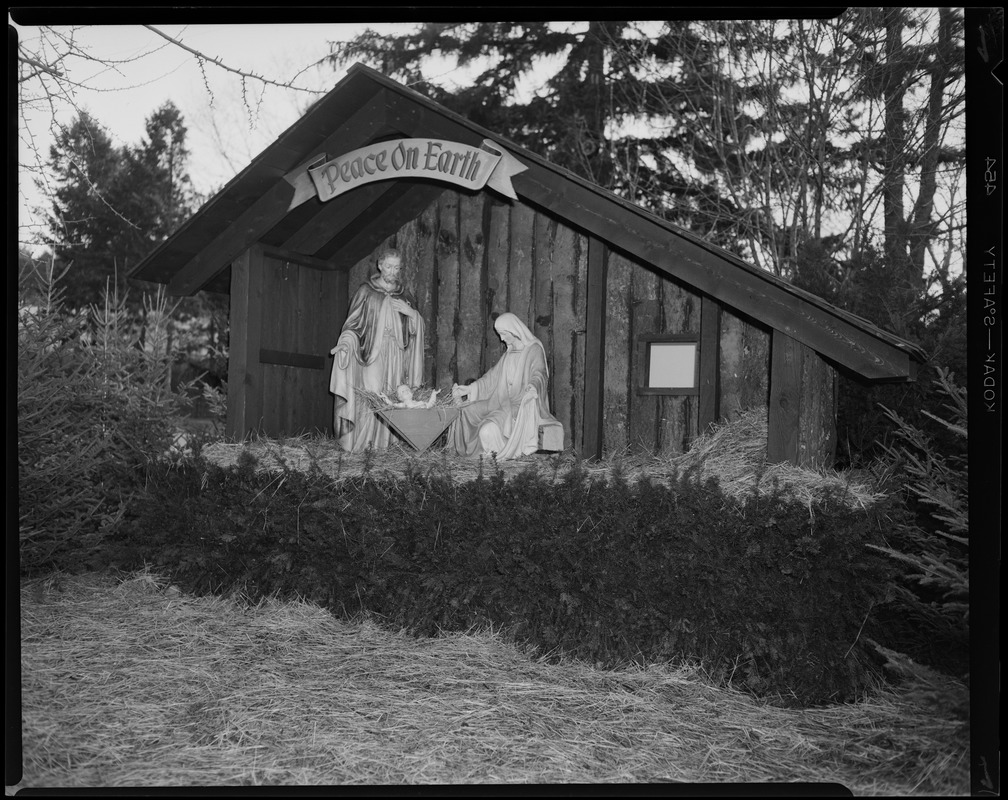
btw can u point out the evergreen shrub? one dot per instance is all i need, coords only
(93, 409)
(767, 593)
(928, 616)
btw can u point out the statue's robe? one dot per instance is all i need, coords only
(385, 350)
(500, 418)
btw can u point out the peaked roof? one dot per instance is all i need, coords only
(364, 107)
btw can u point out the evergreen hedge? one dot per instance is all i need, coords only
(767, 593)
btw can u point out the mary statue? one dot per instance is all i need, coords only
(379, 349)
(509, 403)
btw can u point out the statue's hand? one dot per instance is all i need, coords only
(460, 392)
(531, 391)
(342, 353)
(403, 307)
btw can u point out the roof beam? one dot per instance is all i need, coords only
(335, 215)
(272, 206)
(389, 213)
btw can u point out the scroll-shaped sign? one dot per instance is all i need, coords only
(452, 162)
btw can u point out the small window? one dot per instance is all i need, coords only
(668, 364)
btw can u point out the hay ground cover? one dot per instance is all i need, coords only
(128, 682)
(733, 453)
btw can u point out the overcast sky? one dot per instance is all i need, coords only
(136, 71)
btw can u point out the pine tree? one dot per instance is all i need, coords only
(572, 119)
(112, 204)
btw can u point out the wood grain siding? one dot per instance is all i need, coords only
(817, 414)
(596, 311)
(446, 314)
(285, 317)
(244, 369)
(297, 334)
(678, 422)
(469, 330)
(618, 356)
(520, 263)
(645, 320)
(497, 220)
(710, 360)
(425, 289)
(579, 341)
(785, 399)
(745, 366)
(567, 328)
(541, 321)
(333, 305)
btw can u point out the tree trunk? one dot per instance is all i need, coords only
(894, 169)
(923, 227)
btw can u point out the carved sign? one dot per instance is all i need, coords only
(452, 162)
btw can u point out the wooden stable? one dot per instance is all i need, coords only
(594, 276)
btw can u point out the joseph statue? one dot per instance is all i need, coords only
(379, 349)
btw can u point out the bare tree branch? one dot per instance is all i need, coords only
(243, 74)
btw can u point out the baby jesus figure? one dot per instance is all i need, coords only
(405, 395)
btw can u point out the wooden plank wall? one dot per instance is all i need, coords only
(679, 418)
(303, 313)
(640, 302)
(745, 366)
(801, 424)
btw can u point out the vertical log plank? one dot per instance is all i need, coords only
(447, 259)
(710, 357)
(755, 388)
(470, 301)
(270, 339)
(595, 338)
(565, 324)
(238, 356)
(541, 323)
(645, 318)
(426, 277)
(579, 342)
(497, 257)
(785, 398)
(678, 420)
(817, 414)
(247, 273)
(731, 370)
(616, 403)
(520, 266)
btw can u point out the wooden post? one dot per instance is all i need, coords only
(244, 369)
(594, 382)
(710, 358)
(785, 399)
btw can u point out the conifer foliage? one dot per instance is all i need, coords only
(94, 407)
(113, 204)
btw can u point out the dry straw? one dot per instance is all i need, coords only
(734, 454)
(128, 682)
(421, 394)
